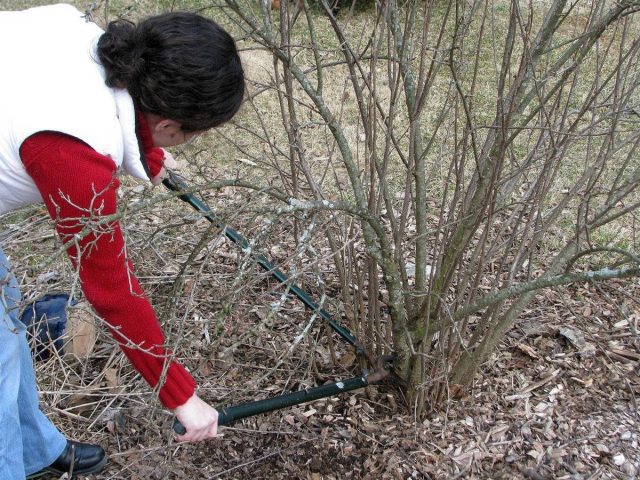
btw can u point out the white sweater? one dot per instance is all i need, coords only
(51, 80)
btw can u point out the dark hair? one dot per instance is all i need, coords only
(177, 65)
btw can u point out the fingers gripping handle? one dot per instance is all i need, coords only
(178, 427)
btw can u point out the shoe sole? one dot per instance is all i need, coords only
(86, 471)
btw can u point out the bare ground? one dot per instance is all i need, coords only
(542, 409)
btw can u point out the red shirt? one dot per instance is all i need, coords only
(79, 186)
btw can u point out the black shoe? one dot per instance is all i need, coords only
(76, 459)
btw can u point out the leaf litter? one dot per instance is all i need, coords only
(557, 400)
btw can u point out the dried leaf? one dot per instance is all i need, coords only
(111, 379)
(575, 336)
(81, 331)
(527, 350)
(348, 359)
(458, 391)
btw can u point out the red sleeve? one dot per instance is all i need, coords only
(79, 186)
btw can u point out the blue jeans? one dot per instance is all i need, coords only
(28, 439)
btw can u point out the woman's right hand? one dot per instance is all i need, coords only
(168, 162)
(198, 418)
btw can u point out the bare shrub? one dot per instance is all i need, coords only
(473, 154)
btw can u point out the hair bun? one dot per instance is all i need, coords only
(119, 54)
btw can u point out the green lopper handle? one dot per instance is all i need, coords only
(231, 414)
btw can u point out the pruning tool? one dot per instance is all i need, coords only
(230, 414)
